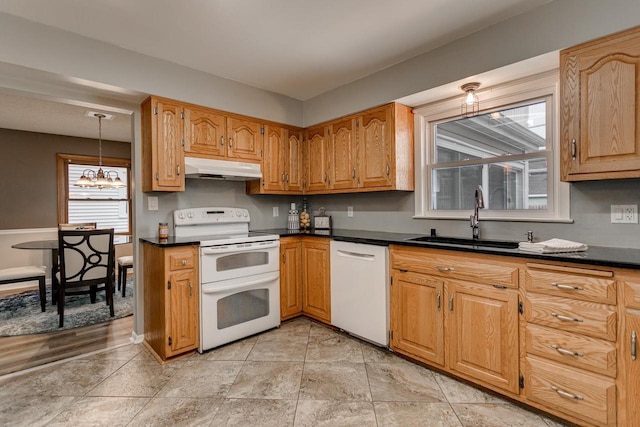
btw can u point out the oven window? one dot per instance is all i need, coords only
(242, 307)
(242, 260)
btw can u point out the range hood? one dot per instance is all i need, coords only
(195, 167)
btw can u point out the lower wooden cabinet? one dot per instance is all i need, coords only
(417, 316)
(316, 278)
(305, 278)
(468, 328)
(171, 299)
(290, 277)
(630, 349)
(482, 329)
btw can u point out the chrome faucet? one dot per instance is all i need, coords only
(475, 219)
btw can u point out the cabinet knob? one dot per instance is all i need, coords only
(184, 262)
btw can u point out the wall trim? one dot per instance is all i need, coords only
(29, 231)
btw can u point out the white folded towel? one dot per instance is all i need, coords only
(553, 246)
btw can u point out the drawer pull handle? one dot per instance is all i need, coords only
(634, 344)
(444, 268)
(438, 301)
(566, 318)
(190, 289)
(566, 352)
(499, 286)
(565, 394)
(451, 303)
(569, 287)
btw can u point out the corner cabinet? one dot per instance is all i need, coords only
(281, 162)
(600, 96)
(163, 133)
(171, 299)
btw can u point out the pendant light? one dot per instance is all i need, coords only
(470, 103)
(100, 179)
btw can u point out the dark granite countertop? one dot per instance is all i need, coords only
(596, 255)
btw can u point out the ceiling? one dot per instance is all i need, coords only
(296, 48)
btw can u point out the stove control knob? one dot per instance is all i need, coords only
(181, 216)
(190, 214)
(238, 213)
(245, 214)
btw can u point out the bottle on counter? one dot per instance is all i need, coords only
(293, 221)
(305, 217)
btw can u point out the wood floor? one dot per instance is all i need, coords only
(26, 351)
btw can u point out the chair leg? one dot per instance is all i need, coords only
(54, 290)
(120, 270)
(124, 281)
(92, 293)
(43, 293)
(61, 306)
(109, 290)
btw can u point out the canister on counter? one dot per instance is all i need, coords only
(163, 230)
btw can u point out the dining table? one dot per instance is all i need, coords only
(52, 245)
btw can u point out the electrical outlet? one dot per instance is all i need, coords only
(152, 203)
(276, 211)
(350, 211)
(624, 214)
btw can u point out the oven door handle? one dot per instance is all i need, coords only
(241, 286)
(233, 248)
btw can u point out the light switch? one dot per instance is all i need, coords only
(152, 203)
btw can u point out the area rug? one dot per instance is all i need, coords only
(20, 314)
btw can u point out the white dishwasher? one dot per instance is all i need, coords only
(360, 290)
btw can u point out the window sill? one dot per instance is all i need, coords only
(495, 218)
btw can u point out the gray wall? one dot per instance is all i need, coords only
(554, 26)
(29, 194)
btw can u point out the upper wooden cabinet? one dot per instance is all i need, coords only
(367, 151)
(163, 131)
(281, 162)
(316, 159)
(244, 140)
(206, 133)
(600, 124)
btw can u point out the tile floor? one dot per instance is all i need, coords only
(302, 374)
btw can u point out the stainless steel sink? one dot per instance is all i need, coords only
(504, 244)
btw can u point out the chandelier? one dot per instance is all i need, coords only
(470, 104)
(100, 179)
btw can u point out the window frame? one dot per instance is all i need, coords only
(518, 92)
(62, 164)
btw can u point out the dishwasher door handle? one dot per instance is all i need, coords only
(349, 254)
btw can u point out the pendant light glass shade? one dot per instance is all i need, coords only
(100, 179)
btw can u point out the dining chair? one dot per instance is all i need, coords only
(78, 226)
(124, 264)
(86, 266)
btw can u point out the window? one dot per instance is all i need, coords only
(109, 207)
(510, 150)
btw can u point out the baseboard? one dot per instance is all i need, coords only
(135, 338)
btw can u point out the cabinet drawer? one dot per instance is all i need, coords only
(582, 317)
(575, 392)
(631, 294)
(579, 351)
(586, 288)
(468, 267)
(182, 260)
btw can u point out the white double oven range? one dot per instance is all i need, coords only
(239, 273)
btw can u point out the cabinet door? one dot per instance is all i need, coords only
(600, 85)
(631, 366)
(316, 288)
(417, 317)
(317, 158)
(290, 278)
(244, 139)
(168, 146)
(183, 312)
(482, 330)
(376, 167)
(205, 133)
(293, 157)
(273, 161)
(343, 154)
